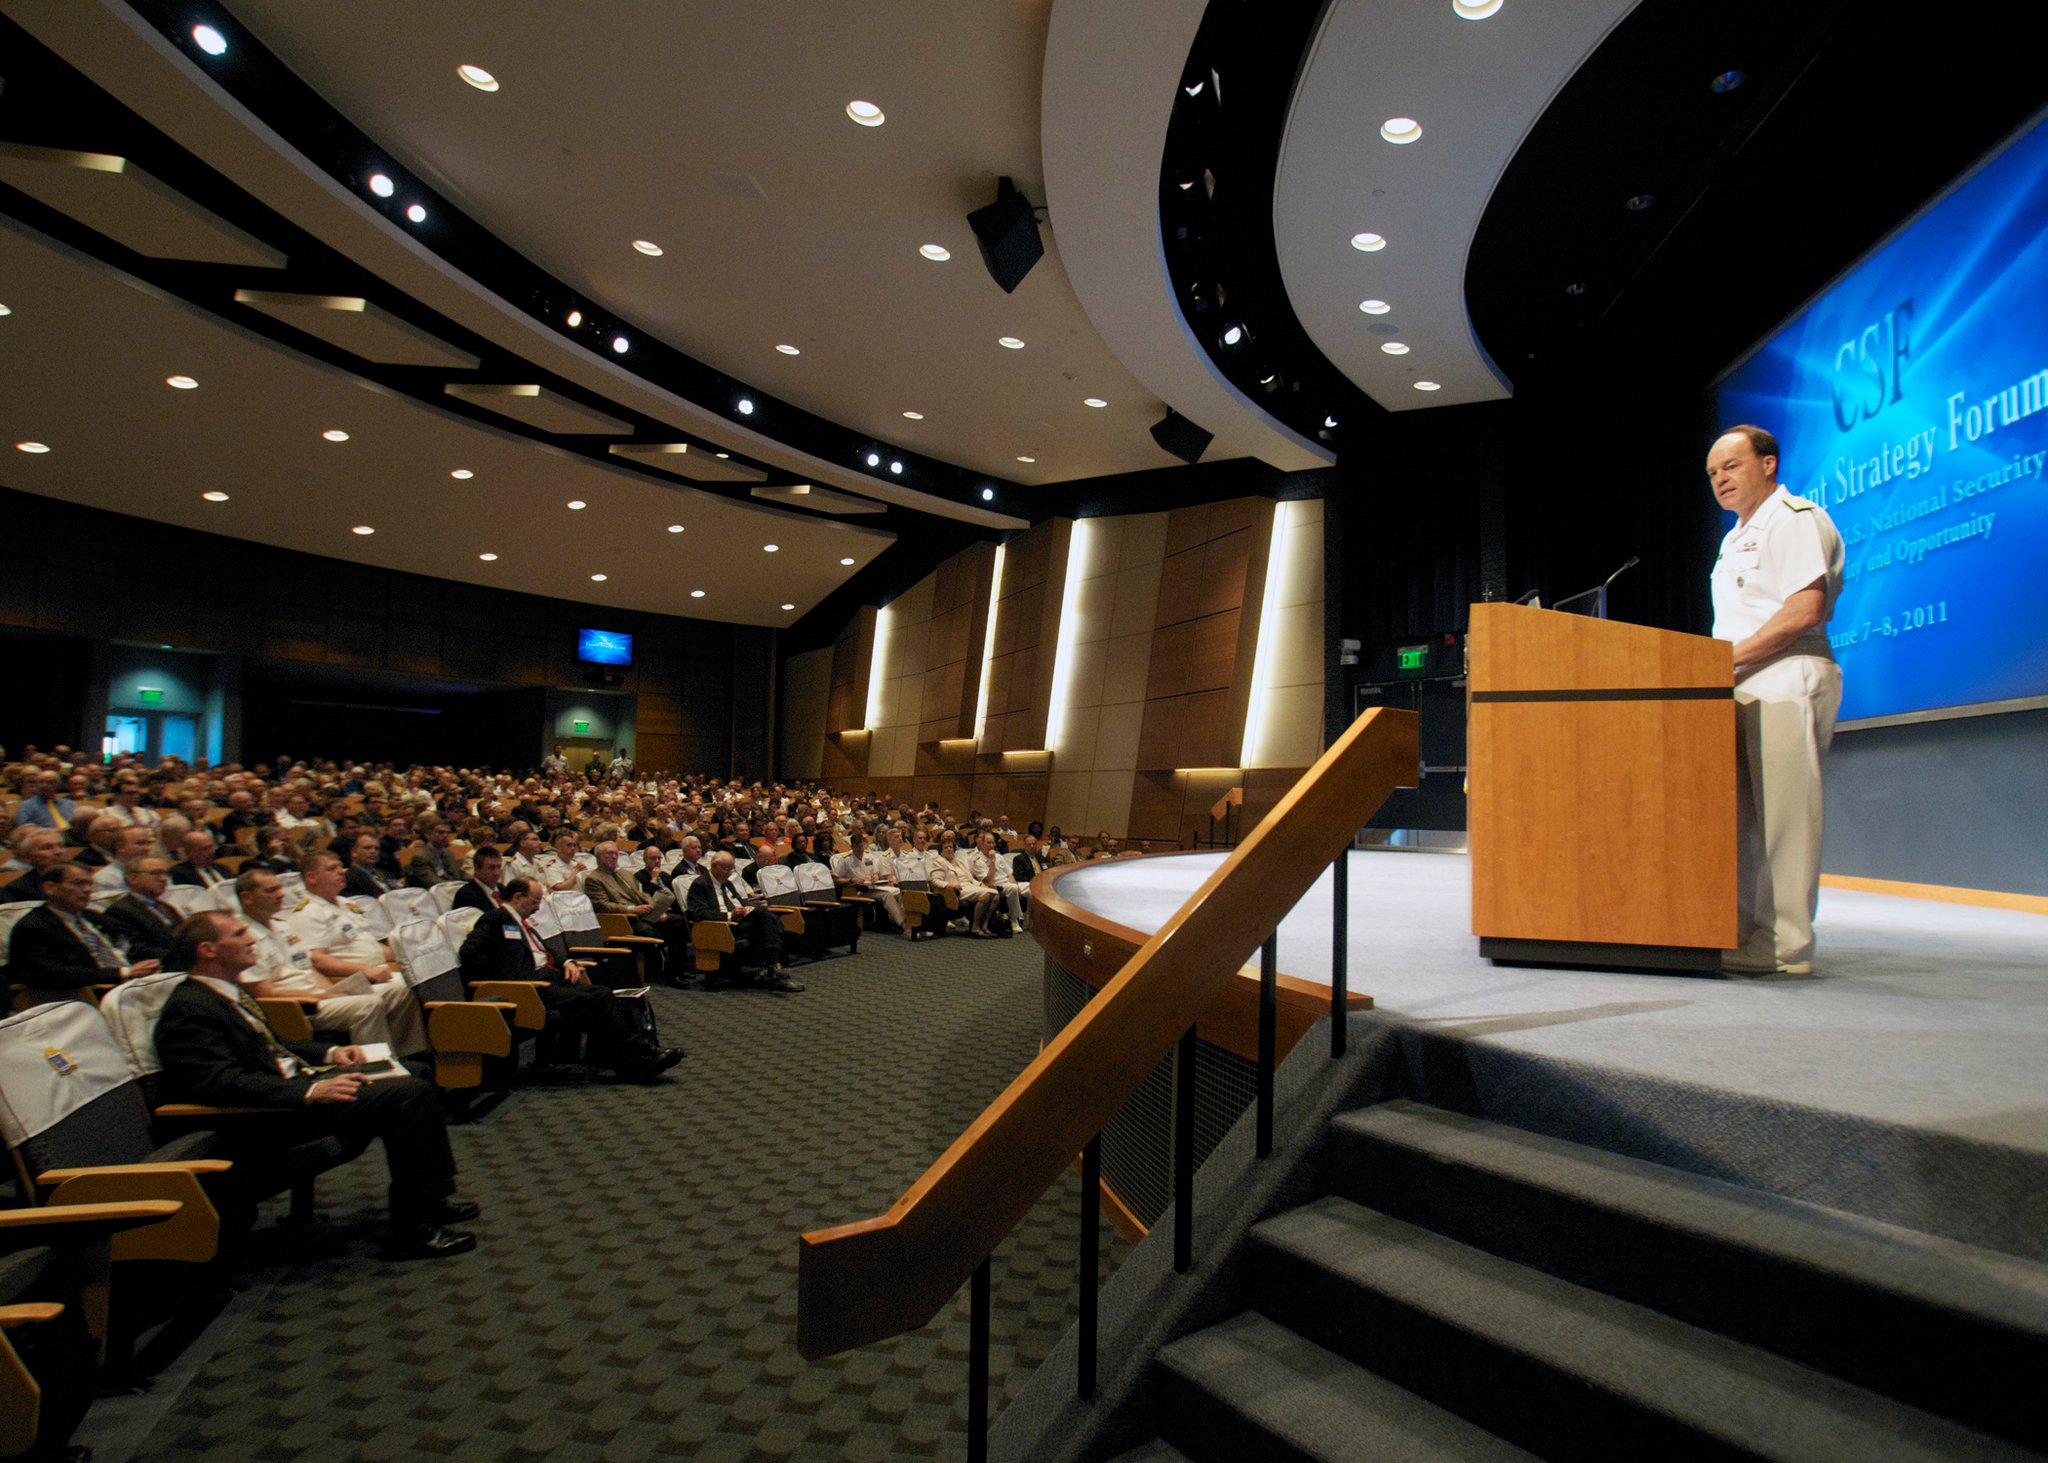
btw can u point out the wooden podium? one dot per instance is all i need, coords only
(1602, 791)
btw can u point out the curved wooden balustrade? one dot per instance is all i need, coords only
(879, 1277)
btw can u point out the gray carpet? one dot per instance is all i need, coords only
(1934, 1015)
(634, 1291)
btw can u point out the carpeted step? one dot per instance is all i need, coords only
(1565, 1371)
(1946, 1326)
(1249, 1389)
(1156, 1451)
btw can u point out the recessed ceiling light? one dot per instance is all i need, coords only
(648, 247)
(896, 467)
(477, 77)
(216, 496)
(865, 113)
(1195, 90)
(4, 310)
(183, 383)
(576, 504)
(937, 253)
(1374, 307)
(416, 213)
(771, 548)
(1429, 385)
(846, 563)
(335, 434)
(209, 40)
(597, 578)
(1474, 9)
(696, 594)
(1727, 81)
(574, 319)
(988, 495)
(382, 186)
(1094, 401)
(1394, 348)
(1233, 335)
(745, 406)
(789, 607)
(915, 416)
(1400, 130)
(1575, 289)
(462, 474)
(32, 446)
(874, 459)
(1009, 342)
(1329, 421)
(1027, 459)
(620, 345)
(1640, 202)
(721, 456)
(364, 529)
(675, 528)
(488, 558)
(789, 350)
(1368, 243)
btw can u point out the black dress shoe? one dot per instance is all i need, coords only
(779, 980)
(427, 1242)
(455, 1211)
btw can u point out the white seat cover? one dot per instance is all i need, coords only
(54, 1059)
(573, 912)
(423, 950)
(131, 1010)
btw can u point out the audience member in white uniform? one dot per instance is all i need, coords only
(351, 1003)
(950, 868)
(337, 941)
(871, 874)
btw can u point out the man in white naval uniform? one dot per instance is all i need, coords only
(1774, 585)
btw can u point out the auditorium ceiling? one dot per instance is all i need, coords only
(651, 262)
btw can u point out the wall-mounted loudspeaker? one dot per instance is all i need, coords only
(1007, 231)
(1181, 437)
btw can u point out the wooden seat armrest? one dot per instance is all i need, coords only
(502, 984)
(528, 1014)
(192, 1237)
(609, 952)
(463, 1032)
(51, 1177)
(108, 1218)
(714, 934)
(485, 1005)
(208, 1110)
(301, 998)
(629, 941)
(29, 1312)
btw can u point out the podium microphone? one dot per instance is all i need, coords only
(1530, 598)
(1634, 560)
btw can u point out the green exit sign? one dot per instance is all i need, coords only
(582, 728)
(1414, 657)
(150, 695)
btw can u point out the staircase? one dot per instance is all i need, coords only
(1471, 1291)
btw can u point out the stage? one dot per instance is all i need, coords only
(1906, 1080)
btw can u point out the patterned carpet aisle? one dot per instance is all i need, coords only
(634, 1291)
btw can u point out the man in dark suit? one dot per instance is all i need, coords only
(58, 949)
(721, 896)
(1029, 864)
(433, 864)
(502, 945)
(481, 890)
(365, 876)
(198, 870)
(217, 1048)
(140, 919)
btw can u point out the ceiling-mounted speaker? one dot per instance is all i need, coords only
(1007, 231)
(1181, 437)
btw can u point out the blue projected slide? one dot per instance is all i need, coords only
(604, 647)
(1911, 401)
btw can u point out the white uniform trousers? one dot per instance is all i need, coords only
(384, 1012)
(1785, 720)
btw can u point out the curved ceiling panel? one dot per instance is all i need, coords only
(1476, 88)
(1112, 70)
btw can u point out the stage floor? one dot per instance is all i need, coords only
(1924, 1015)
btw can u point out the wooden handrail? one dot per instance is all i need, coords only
(1232, 799)
(880, 1277)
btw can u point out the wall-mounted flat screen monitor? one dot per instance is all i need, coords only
(1910, 399)
(604, 647)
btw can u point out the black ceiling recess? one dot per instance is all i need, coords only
(1216, 216)
(1847, 116)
